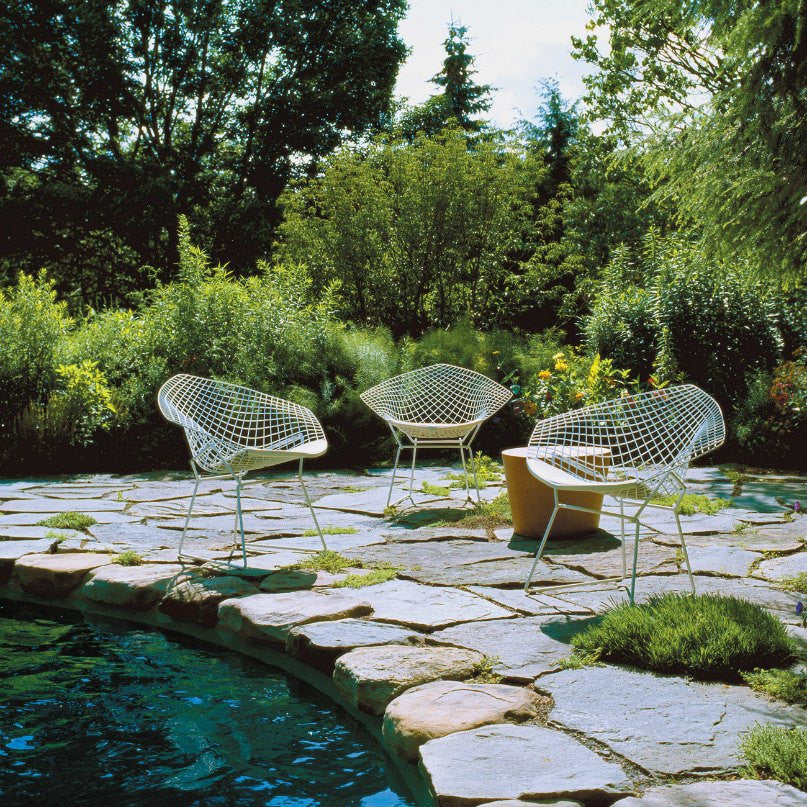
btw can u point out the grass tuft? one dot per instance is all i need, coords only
(52, 535)
(579, 660)
(486, 515)
(68, 521)
(693, 503)
(129, 558)
(327, 561)
(774, 752)
(487, 470)
(482, 671)
(708, 636)
(434, 490)
(378, 574)
(785, 685)
(796, 583)
(331, 531)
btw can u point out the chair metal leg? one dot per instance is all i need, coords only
(543, 541)
(473, 468)
(310, 506)
(684, 550)
(465, 473)
(622, 535)
(412, 472)
(190, 510)
(394, 469)
(635, 561)
(239, 514)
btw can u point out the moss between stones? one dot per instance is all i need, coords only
(707, 636)
(692, 503)
(785, 685)
(68, 521)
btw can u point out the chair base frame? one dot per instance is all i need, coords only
(632, 518)
(238, 529)
(403, 443)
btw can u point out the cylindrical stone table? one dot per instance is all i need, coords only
(531, 501)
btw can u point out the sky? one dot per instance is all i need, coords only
(516, 44)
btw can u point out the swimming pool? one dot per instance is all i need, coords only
(94, 712)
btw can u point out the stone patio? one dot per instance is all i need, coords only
(402, 652)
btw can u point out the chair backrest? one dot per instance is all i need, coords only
(439, 394)
(238, 416)
(642, 433)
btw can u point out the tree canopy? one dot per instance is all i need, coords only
(116, 117)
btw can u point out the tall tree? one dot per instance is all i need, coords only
(461, 99)
(716, 93)
(116, 117)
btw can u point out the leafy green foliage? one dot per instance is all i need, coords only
(487, 515)
(373, 577)
(692, 503)
(482, 671)
(785, 685)
(327, 561)
(68, 521)
(706, 636)
(796, 583)
(775, 752)
(129, 558)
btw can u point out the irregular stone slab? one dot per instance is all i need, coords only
(79, 490)
(12, 551)
(788, 537)
(285, 580)
(531, 604)
(370, 677)
(437, 554)
(439, 708)
(591, 557)
(525, 648)
(140, 537)
(511, 572)
(60, 506)
(336, 543)
(719, 794)
(136, 587)
(56, 575)
(218, 524)
(33, 533)
(449, 533)
(213, 504)
(321, 643)
(426, 607)
(371, 502)
(33, 519)
(272, 616)
(512, 762)
(664, 724)
(197, 599)
(164, 491)
(724, 561)
(542, 803)
(779, 568)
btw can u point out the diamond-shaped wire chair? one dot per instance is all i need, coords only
(636, 449)
(232, 430)
(441, 406)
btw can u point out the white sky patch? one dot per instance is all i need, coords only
(516, 44)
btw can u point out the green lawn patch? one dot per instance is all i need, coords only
(785, 685)
(68, 521)
(331, 531)
(129, 558)
(774, 752)
(378, 574)
(706, 636)
(693, 503)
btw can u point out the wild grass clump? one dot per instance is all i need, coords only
(331, 531)
(785, 685)
(373, 577)
(693, 503)
(796, 583)
(706, 636)
(774, 752)
(487, 515)
(487, 470)
(68, 521)
(327, 561)
(435, 490)
(129, 558)
(482, 672)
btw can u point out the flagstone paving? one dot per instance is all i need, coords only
(456, 611)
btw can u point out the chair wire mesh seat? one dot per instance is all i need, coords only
(441, 406)
(635, 449)
(232, 430)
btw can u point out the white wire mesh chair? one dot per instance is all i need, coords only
(232, 430)
(635, 449)
(441, 406)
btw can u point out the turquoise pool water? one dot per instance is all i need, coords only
(96, 713)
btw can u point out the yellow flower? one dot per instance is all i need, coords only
(580, 395)
(558, 356)
(561, 365)
(544, 375)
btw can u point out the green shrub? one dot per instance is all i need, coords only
(785, 685)
(707, 636)
(775, 752)
(129, 558)
(68, 521)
